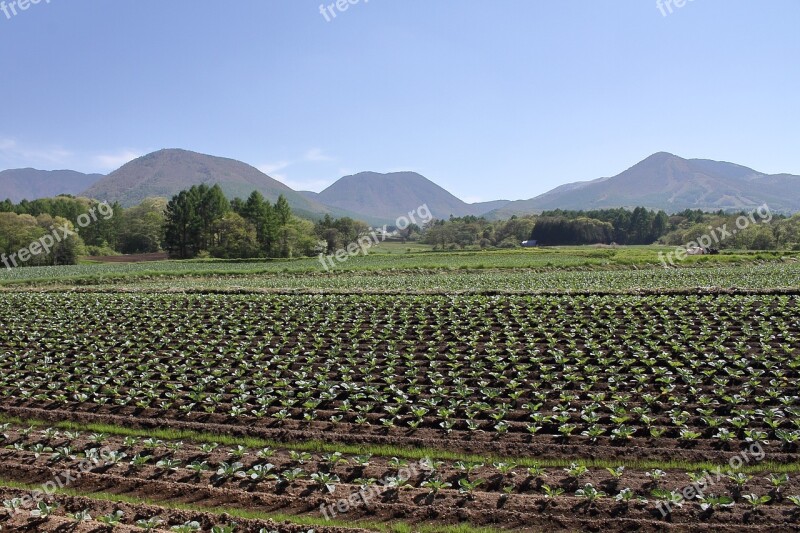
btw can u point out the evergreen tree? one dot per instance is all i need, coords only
(183, 227)
(212, 206)
(260, 213)
(283, 214)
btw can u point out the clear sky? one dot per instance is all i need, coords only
(490, 99)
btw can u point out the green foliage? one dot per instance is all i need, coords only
(639, 226)
(471, 231)
(20, 232)
(557, 231)
(262, 216)
(338, 233)
(142, 227)
(200, 221)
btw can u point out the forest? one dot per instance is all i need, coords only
(201, 222)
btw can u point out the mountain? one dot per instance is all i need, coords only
(666, 181)
(167, 172)
(482, 208)
(390, 196)
(31, 184)
(662, 181)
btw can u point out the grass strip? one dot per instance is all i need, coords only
(403, 452)
(243, 514)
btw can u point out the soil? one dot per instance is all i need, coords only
(132, 258)
(525, 509)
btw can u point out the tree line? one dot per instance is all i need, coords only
(472, 231)
(639, 226)
(202, 222)
(601, 226)
(130, 231)
(196, 222)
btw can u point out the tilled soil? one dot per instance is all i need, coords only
(525, 509)
(61, 522)
(542, 446)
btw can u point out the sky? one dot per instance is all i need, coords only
(491, 100)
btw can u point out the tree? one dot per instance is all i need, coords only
(640, 226)
(332, 239)
(300, 238)
(761, 238)
(70, 248)
(233, 238)
(211, 206)
(283, 213)
(660, 226)
(517, 228)
(183, 226)
(260, 213)
(561, 231)
(18, 232)
(142, 227)
(102, 230)
(200, 219)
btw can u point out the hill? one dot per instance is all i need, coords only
(392, 195)
(666, 181)
(31, 184)
(167, 172)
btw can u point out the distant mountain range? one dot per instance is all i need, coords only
(29, 183)
(668, 182)
(662, 181)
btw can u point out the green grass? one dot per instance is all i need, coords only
(393, 258)
(397, 247)
(243, 514)
(317, 446)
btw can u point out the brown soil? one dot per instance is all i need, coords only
(544, 446)
(526, 509)
(133, 258)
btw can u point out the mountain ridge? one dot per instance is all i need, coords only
(664, 181)
(29, 183)
(166, 172)
(660, 181)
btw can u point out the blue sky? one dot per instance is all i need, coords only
(500, 99)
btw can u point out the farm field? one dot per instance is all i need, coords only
(400, 267)
(559, 260)
(768, 276)
(407, 412)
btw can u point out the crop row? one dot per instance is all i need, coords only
(692, 368)
(336, 474)
(241, 462)
(525, 278)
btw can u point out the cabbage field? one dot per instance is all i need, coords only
(467, 400)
